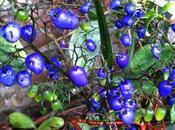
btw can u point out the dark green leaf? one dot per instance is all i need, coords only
(172, 114)
(21, 121)
(143, 59)
(104, 34)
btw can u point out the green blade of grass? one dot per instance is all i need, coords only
(104, 34)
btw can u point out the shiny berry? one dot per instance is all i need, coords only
(115, 4)
(90, 45)
(35, 63)
(128, 20)
(139, 13)
(102, 92)
(22, 15)
(85, 8)
(56, 105)
(127, 116)
(118, 24)
(171, 100)
(126, 40)
(62, 44)
(126, 88)
(141, 32)
(23, 78)
(115, 103)
(122, 60)
(130, 8)
(64, 19)
(95, 104)
(11, 32)
(156, 51)
(7, 76)
(101, 73)
(28, 33)
(114, 92)
(164, 88)
(78, 76)
(160, 113)
(173, 27)
(130, 103)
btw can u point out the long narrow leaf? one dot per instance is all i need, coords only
(104, 34)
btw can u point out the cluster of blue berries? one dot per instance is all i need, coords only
(167, 86)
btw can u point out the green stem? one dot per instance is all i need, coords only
(104, 34)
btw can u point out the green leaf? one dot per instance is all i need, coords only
(85, 126)
(78, 38)
(21, 121)
(172, 114)
(104, 34)
(7, 49)
(143, 59)
(53, 123)
(148, 87)
(168, 7)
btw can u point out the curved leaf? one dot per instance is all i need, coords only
(53, 123)
(21, 121)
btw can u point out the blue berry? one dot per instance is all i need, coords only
(116, 103)
(141, 32)
(23, 78)
(95, 104)
(115, 4)
(102, 92)
(85, 8)
(139, 13)
(130, 8)
(164, 88)
(7, 76)
(28, 33)
(127, 116)
(114, 92)
(173, 27)
(78, 76)
(171, 100)
(35, 63)
(64, 19)
(131, 104)
(101, 73)
(126, 40)
(90, 45)
(128, 20)
(126, 88)
(62, 44)
(11, 32)
(155, 50)
(122, 60)
(118, 24)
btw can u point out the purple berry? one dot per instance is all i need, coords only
(85, 8)
(155, 50)
(90, 45)
(35, 63)
(126, 88)
(115, 4)
(118, 24)
(28, 33)
(11, 32)
(122, 60)
(78, 76)
(127, 116)
(128, 20)
(116, 103)
(141, 32)
(7, 76)
(126, 40)
(130, 8)
(23, 78)
(164, 88)
(64, 19)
